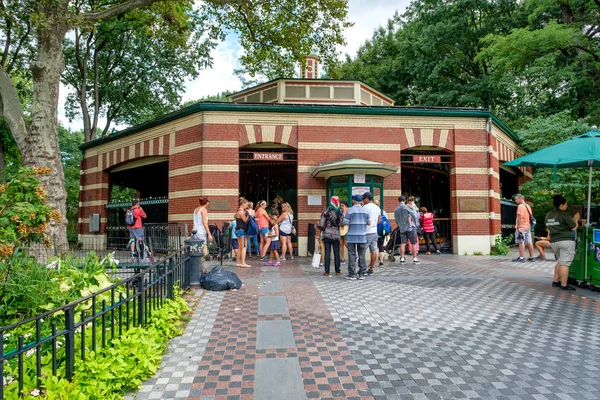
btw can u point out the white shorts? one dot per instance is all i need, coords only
(523, 236)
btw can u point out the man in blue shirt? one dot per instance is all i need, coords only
(357, 219)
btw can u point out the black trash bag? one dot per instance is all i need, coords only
(220, 279)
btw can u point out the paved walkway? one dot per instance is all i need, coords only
(452, 327)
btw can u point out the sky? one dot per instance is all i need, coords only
(367, 16)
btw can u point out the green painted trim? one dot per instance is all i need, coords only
(142, 203)
(303, 109)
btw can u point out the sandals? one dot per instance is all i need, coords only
(428, 253)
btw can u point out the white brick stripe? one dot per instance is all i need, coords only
(350, 146)
(306, 216)
(212, 216)
(410, 137)
(94, 186)
(171, 143)
(132, 152)
(203, 192)
(89, 171)
(470, 149)
(470, 193)
(204, 168)
(161, 147)
(287, 132)
(474, 215)
(443, 137)
(142, 148)
(250, 133)
(469, 171)
(92, 203)
(311, 192)
(426, 137)
(268, 133)
(306, 168)
(151, 148)
(87, 221)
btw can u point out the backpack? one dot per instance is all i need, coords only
(531, 218)
(383, 227)
(251, 227)
(129, 218)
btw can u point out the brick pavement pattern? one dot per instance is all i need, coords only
(452, 327)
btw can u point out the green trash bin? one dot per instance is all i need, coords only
(577, 268)
(593, 270)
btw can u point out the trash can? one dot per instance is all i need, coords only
(593, 267)
(577, 268)
(196, 258)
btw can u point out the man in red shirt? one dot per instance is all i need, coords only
(523, 229)
(136, 231)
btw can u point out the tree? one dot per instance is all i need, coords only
(426, 56)
(274, 35)
(132, 68)
(70, 155)
(220, 97)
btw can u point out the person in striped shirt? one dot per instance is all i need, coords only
(357, 219)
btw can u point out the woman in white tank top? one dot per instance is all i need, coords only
(201, 220)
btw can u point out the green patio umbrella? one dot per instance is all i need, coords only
(582, 151)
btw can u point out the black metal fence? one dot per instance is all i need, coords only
(55, 341)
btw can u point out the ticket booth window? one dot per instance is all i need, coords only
(344, 187)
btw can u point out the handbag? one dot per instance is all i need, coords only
(293, 228)
(316, 260)
(531, 218)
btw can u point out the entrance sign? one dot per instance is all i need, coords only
(359, 177)
(268, 156)
(360, 190)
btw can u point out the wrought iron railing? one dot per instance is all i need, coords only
(62, 337)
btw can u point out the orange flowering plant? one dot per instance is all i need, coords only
(23, 211)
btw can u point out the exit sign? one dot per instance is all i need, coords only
(428, 159)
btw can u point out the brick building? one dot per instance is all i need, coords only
(304, 140)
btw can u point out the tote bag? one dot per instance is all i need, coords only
(316, 260)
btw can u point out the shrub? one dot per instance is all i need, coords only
(501, 246)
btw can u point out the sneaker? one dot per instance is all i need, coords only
(416, 261)
(540, 258)
(531, 259)
(291, 257)
(402, 260)
(276, 264)
(264, 258)
(370, 272)
(519, 259)
(269, 264)
(555, 284)
(326, 274)
(351, 277)
(338, 274)
(282, 259)
(361, 277)
(381, 264)
(321, 265)
(568, 287)
(343, 262)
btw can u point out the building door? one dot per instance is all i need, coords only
(426, 176)
(270, 174)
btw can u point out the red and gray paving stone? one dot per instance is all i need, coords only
(452, 327)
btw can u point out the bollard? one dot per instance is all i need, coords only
(196, 258)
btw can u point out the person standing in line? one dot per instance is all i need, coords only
(560, 225)
(234, 240)
(273, 236)
(428, 230)
(285, 221)
(414, 216)
(136, 231)
(357, 219)
(263, 228)
(381, 239)
(523, 229)
(343, 233)
(375, 217)
(402, 215)
(253, 238)
(241, 221)
(330, 222)
(201, 222)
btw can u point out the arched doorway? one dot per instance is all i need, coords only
(425, 174)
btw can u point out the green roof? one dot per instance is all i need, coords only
(304, 109)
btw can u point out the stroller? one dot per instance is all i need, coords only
(392, 247)
(215, 248)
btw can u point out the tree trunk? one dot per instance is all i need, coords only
(41, 144)
(2, 163)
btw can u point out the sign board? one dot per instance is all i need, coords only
(360, 190)
(472, 205)
(596, 235)
(267, 156)
(220, 205)
(359, 177)
(315, 200)
(424, 158)
(94, 222)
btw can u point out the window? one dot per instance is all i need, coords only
(342, 185)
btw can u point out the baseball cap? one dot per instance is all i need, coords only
(367, 195)
(357, 198)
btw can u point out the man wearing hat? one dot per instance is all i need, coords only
(330, 222)
(357, 219)
(375, 215)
